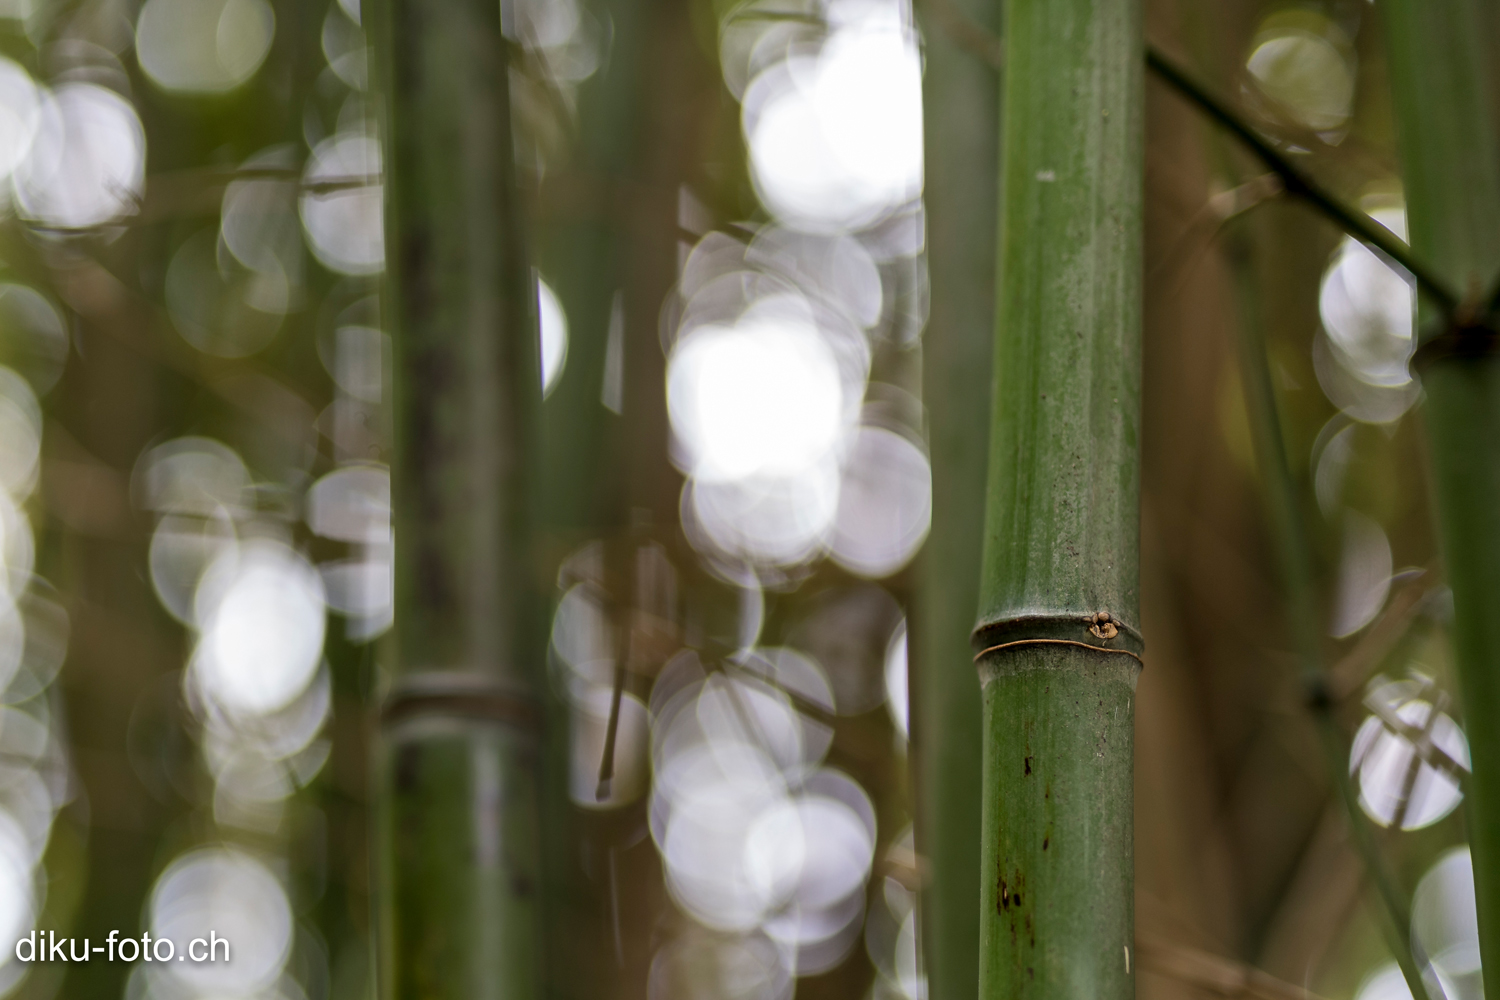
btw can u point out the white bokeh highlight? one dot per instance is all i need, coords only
(203, 46)
(261, 611)
(87, 160)
(836, 138)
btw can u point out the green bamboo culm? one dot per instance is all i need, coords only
(1285, 518)
(1450, 161)
(962, 123)
(459, 869)
(1057, 637)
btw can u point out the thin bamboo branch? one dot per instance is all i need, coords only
(188, 193)
(1298, 183)
(1221, 976)
(966, 33)
(1352, 670)
(974, 39)
(1206, 224)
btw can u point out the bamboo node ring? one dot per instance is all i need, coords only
(1054, 642)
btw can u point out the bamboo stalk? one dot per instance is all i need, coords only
(459, 862)
(962, 119)
(579, 245)
(1289, 531)
(1450, 160)
(584, 252)
(1059, 649)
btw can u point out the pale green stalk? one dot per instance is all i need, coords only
(962, 118)
(1062, 527)
(1450, 161)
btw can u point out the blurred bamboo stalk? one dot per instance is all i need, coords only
(962, 121)
(458, 814)
(1451, 165)
(583, 253)
(1294, 556)
(1059, 649)
(580, 242)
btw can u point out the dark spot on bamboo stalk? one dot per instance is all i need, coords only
(406, 768)
(1045, 842)
(1030, 972)
(1028, 765)
(418, 290)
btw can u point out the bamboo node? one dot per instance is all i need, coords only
(1054, 642)
(1466, 341)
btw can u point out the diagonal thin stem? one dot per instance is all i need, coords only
(1351, 220)
(1205, 225)
(967, 34)
(622, 621)
(971, 37)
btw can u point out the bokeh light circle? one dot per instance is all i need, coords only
(204, 46)
(261, 609)
(343, 223)
(836, 140)
(20, 114)
(762, 397)
(237, 897)
(553, 329)
(1383, 757)
(87, 163)
(1307, 74)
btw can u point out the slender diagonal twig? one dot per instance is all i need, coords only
(1206, 223)
(622, 621)
(748, 12)
(1218, 975)
(973, 38)
(1349, 674)
(1424, 750)
(1354, 222)
(967, 34)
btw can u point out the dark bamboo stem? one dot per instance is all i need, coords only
(458, 784)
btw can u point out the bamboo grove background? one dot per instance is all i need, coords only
(752, 512)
